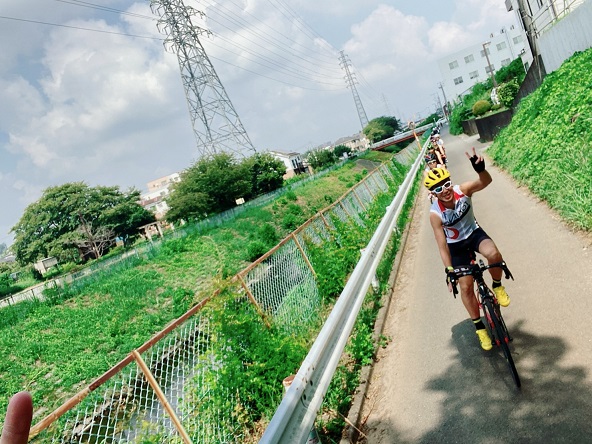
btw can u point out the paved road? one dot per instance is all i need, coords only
(433, 383)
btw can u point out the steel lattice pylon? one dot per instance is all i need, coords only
(351, 83)
(216, 124)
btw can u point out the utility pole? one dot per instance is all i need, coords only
(445, 107)
(350, 79)
(216, 124)
(485, 50)
(439, 104)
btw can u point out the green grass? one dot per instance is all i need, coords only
(548, 145)
(56, 347)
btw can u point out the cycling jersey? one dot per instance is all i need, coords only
(460, 222)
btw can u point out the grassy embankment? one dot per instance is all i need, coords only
(548, 145)
(56, 347)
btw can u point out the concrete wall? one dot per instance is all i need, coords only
(570, 34)
(490, 126)
(469, 127)
(534, 77)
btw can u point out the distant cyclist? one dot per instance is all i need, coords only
(459, 236)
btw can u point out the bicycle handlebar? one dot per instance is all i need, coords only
(478, 268)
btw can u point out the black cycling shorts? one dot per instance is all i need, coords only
(463, 252)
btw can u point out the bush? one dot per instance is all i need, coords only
(255, 250)
(481, 107)
(291, 195)
(459, 114)
(506, 92)
(268, 234)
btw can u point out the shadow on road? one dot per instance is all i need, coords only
(554, 404)
(481, 404)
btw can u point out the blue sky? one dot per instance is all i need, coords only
(109, 109)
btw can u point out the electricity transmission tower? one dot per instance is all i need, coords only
(216, 124)
(351, 81)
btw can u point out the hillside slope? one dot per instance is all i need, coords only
(548, 145)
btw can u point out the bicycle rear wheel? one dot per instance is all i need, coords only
(502, 337)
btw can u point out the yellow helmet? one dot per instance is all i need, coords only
(435, 176)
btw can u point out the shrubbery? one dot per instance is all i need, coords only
(481, 107)
(506, 92)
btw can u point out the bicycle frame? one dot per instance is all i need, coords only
(490, 307)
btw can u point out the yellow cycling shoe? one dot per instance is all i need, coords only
(502, 297)
(484, 339)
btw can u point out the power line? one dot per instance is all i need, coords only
(105, 8)
(312, 71)
(313, 66)
(283, 68)
(79, 28)
(330, 59)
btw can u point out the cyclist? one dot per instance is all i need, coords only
(459, 236)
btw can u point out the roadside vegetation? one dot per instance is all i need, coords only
(478, 102)
(56, 347)
(548, 145)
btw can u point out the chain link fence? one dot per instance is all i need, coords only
(169, 390)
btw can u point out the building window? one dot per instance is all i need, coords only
(469, 58)
(453, 65)
(506, 62)
(474, 74)
(458, 81)
(483, 52)
(489, 69)
(501, 46)
(517, 39)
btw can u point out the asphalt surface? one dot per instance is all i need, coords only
(434, 384)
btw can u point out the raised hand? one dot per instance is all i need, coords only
(476, 161)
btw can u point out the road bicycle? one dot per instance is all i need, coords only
(491, 309)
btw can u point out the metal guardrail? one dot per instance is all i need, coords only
(295, 416)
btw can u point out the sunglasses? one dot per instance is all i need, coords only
(442, 187)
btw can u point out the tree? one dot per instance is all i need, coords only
(51, 226)
(340, 149)
(321, 158)
(266, 172)
(211, 185)
(382, 128)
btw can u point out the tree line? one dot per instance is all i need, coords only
(75, 222)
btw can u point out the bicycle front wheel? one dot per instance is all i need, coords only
(502, 337)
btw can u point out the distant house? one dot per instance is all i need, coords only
(293, 162)
(158, 190)
(357, 142)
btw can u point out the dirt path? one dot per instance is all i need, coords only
(433, 383)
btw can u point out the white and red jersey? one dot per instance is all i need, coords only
(460, 222)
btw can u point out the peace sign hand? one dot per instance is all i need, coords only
(476, 161)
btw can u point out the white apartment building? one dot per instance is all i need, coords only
(474, 64)
(158, 190)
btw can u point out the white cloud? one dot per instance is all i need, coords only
(110, 109)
